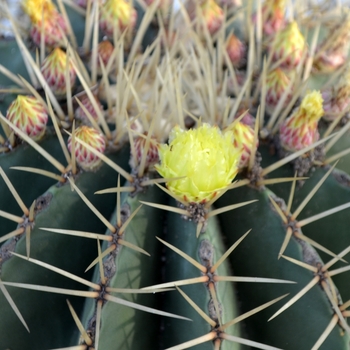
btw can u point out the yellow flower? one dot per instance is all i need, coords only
(204, 157)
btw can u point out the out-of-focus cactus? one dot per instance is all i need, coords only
(207, 13)
(236, 50)
(333, 52)
(277, 82)
(46, 21)
(273, 16)
(173, 195)
(117, 12)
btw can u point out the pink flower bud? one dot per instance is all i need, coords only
(152, 154)
(87, 160)
(337, 100)
(80, 113)
(236, 50)
(337, 48)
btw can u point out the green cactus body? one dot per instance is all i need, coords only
(29, 186)
(169, 77)
(329, 232)
(58, 207)
(206, 249)
(287, 330)
(126, 268)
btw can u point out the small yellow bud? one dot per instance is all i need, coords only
(204, 157)
(276, 84)
(244, 140)
(120, 13)
(273, 16)
(45, 20)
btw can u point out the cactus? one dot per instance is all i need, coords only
(157, 193)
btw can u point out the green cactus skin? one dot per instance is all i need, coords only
(182, 234)
(46, 314)
(11, 59)
(133, 270)
(28, 185)
(61, 208)
(331, 232)
(295, 327)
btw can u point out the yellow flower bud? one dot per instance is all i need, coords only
(119, 13)
(29, 115)
(312, 106)
(35, 9)
(290, 45)
(53, 69)
(300, 129)
(204, 157)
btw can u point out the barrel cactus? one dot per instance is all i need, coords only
(174, 175)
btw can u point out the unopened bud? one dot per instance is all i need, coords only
(54, 68)
(289, 46)
(236, 50)
(119, 13)
(86, 159)
(300, 129)
(29, 115)
(244, 140)
(277, 83)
